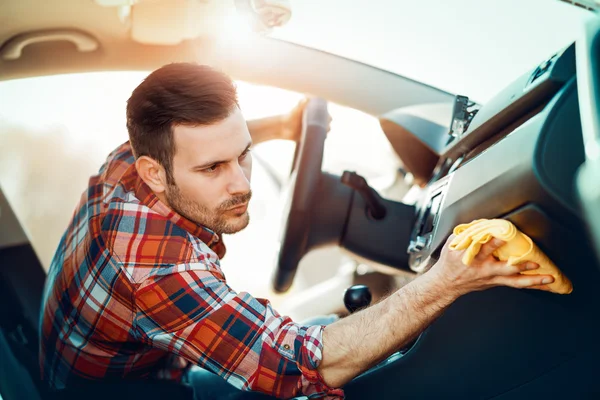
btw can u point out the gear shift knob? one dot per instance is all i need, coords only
(357, 297)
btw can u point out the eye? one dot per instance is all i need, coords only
(244, 154)
(211, 169)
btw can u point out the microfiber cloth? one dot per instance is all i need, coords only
(518, 248)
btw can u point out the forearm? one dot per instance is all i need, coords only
(355, 343)
(265, 129)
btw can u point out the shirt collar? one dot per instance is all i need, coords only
(147, 197)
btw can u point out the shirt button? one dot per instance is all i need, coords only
(286, 346)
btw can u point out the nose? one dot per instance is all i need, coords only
(240, 180)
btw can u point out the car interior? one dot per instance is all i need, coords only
(526, 155)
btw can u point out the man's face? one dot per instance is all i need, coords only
(212, 167)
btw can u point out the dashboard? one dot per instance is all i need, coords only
(516, 160)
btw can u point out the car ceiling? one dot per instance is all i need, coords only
(157, 32)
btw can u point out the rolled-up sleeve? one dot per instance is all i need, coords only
(194, 314)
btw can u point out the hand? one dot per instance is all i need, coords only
(484, 272)
(291, 124)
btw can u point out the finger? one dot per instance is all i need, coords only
(299, 108)
(450, 239)
(488, 248)
(518, 268)
(527, 266)
(446, 247)
(503, 269)
(524, 281)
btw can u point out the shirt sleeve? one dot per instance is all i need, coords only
(194, 314)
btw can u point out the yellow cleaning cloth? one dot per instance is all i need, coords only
(518, 248)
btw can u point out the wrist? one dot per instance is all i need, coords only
(282, 123)
(284, 127)
(435, 283)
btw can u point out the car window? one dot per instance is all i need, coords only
(466, 47)
(56, 131)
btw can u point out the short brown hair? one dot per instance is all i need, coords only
(176, 94)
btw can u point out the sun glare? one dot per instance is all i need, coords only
(235, 26)
(56, 132)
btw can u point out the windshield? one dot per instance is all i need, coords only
(469, 47)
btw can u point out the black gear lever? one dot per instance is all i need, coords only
(357, 297)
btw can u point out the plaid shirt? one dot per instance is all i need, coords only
(136, 290)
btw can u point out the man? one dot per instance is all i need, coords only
(135, 291)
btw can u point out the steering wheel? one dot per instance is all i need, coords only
(304, 181)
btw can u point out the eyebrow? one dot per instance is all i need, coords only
(211, 163)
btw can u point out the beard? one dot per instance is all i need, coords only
(220, 220)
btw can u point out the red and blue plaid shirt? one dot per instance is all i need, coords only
(134, 289)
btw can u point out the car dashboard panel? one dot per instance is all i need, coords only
(516, 103)
(506, 343)
(528, 164)
(427, 149)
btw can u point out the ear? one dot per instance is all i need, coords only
(152, 173)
